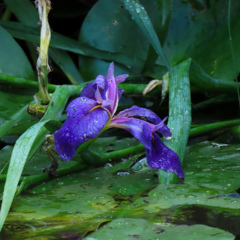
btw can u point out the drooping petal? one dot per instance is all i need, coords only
(121, 78)
(149, 115)
(79, 129)
(138, 128)
(161, 157)
(158, 154)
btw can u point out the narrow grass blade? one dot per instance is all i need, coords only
(179, 120)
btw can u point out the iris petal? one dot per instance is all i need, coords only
(121, 78)
(161, 157)
(138, 128)
(120, 92)
(79, 129)
(90, 89)
(80, 106)
(149, 115)
(112, 93)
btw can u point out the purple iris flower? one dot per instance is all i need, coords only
(93, 112)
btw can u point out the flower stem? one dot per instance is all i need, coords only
(43, 68)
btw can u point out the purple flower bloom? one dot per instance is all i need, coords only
(93, 112)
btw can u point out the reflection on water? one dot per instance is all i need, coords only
(225, 219)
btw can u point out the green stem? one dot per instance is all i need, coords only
(213, 127)
(23, 83)
(43, 85)
(26, 182)
(129, 89)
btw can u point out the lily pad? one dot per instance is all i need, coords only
(75, 205)
(131, 229)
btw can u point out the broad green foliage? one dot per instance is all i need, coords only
(61, 58)
(202, 34)
(13, 60)
(108, 191)
(114, 27)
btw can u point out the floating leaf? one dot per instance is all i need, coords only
(131, 229)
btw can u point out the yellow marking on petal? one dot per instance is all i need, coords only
(95, 108)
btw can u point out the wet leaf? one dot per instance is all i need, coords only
(131, 229)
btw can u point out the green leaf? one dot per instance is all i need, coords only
(115, 30)
(205, 82)
(211, 171)
(11, 102)
(13, 60)
(201, 33)
(161, 25)
(91, 67)
(29, 142)
(104, 149)
(131, 229)
(141, 17)
(61, 58)
(28, 33)
(179, 120)
(19, 116)
(23, 150)
(65, 62)
(20, 8)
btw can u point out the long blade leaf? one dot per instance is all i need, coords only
(179, 114)
(24, 148)
(141, 17)
(28, 33)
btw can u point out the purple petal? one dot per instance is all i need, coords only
(101, 84)
(90, 89)
(80, 106)
(121, 78)
(149, 115)
(112, 93)
(78, 129)
(161, 157)
(120, 91)
(138, 128)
